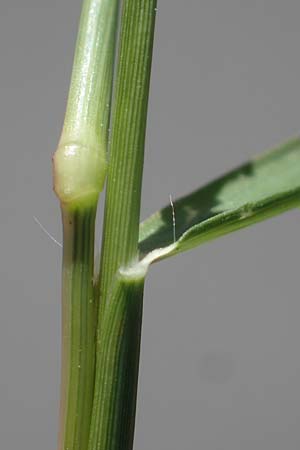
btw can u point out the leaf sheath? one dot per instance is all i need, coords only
(113, 419)
(78, 329)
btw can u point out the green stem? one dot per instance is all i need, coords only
(79, 169)
(78, 325)
(120, 311)
(123, 195)
(88, 107)
(80, 159)
(112, 426)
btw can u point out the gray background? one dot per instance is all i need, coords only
(220, 365)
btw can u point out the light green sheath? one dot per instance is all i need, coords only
(79, 170)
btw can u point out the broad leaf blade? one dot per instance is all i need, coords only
(259, 189)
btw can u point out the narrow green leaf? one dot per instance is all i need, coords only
(266, 186)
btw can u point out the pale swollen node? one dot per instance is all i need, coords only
(79, 171)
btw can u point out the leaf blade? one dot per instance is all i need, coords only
(261, 188)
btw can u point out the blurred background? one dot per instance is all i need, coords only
(220, 363)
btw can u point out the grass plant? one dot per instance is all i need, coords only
(103, 140)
